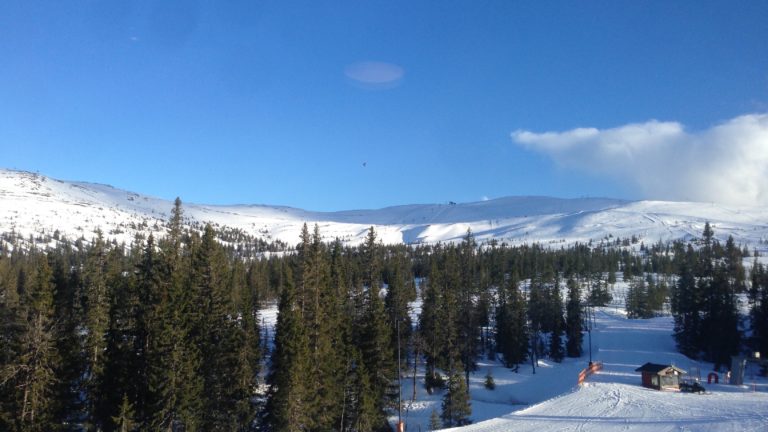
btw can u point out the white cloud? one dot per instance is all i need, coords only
(374, 74)
(727, 163)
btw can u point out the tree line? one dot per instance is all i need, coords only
(166, 334)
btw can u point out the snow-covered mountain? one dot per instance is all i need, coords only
(31, 204)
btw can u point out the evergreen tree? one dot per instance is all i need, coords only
(637, 301)
(573, 321)
(556, 351)
(174, 380)
(434, 421)
(758, 296)
(468, 327)
(456, 405)
(32, 374)
(248, 352)
(121, 359)
(216, 334)
(326, 339)
(430, 322)
(511, 332)
(125, 420)
(71, 365)
(686, 304)
(720, 319)
(490, 384)
(148, 291)
(361, 410)
(287, 398)
(96, 325)
(375, 334)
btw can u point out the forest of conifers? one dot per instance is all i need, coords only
(166, 334)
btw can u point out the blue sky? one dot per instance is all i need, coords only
(365, 104)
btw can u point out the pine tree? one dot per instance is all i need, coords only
(175, 383)
(430, 323)
(125, 420)
(248, 352)
(287, 399)
(324, 314)
(97, 301)
(376, 349)
(511, 331)
(573, 321)
(361, 410)
(148, 291)
(121, 360)
(637, 300)
(556, 351)
(33, 372)
(468, 327)
(216, 333)
(758, 296)
(490, 384)
(434, 421)
(375, 342)
(686, 305)
(69, 371)
(456, 404)
(721, 319)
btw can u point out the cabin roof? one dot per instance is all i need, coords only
(658, 368)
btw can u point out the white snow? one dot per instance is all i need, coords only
(612, 399)
(32, 203)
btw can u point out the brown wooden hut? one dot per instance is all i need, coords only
(659, 377)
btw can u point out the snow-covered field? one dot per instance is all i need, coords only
(31, 204)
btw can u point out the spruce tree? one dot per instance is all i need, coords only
(686, 306)
(216, 333)
(511, 331)
(573, 321)
(248, 351)
(431, 323)
(758, 296)
(375, 337)
(324, 313)
(434, 421)
(95, 288)
(556, 351)
(288, 398)
(636, 302)
(175, 383)
(32, 374)
(125, 420)
(456, 404)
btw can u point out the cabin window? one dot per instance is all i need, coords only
(668, 381)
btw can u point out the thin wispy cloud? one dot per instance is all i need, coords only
(726, 163)
(374, 74)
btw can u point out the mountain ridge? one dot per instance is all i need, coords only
(31, 203)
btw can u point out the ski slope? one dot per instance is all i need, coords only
(31, 204)
(613, 400)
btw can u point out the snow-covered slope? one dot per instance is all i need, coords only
(614, 400)
(32, 203)
(610, 400)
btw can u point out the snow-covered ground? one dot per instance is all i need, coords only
(614, 400)
(31, 204)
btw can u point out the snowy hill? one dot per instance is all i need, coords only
(31, 204)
